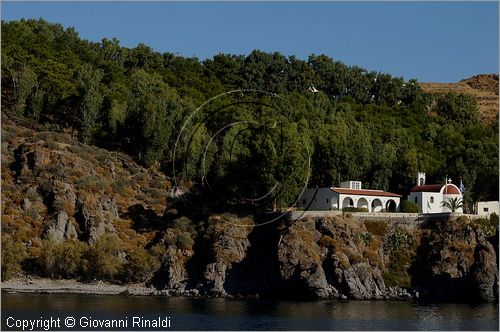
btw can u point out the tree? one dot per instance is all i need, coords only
(461, 108)
(24, 81)
(408, 207)
(150, 118)
(90, 100)
(453, 203)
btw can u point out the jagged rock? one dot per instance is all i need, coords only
(397, 293)
(215, 276)
(61, 228)
(29, 158)
(459, 264)
(96, 218)
(176, 271)
(300, 262)
(26, 204)
(360, 281)
(485, 271)
(58, 196)
(229, 246)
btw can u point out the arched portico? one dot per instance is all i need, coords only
(363, 203)
(390, 206)
(347, 202)
(377, 205)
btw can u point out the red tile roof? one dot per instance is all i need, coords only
(435, 188)
(364, 192)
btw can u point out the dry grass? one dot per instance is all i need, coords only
(484, 88)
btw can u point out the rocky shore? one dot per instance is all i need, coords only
(43, 285)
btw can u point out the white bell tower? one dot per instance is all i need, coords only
(420, 178)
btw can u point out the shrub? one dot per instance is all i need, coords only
(120, 185)
(13, 253)
(31, 212)
(408, 207)
(92, 183)
(51, 144)
(363, 238)
(326, 241)
(398, 241)
(354, 209)
(463, 220)
(372, 257)
(103, 257)
(64, 259)
(185, 224)
(184, 241)
(488, 225)
(378, 228)
(140, 266)
(392, 279)
(396, 273)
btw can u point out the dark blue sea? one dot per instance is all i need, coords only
(93, 312)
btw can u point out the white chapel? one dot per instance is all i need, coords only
(430, 197)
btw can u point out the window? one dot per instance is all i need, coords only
(485, 209)
(416, 199)
(327, 200)
(432, 200)
(304, 201)
(421, 181)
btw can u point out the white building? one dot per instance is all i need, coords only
(429, 197)
(349, 194)
(487, 208)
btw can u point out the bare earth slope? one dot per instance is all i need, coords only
(482, 87)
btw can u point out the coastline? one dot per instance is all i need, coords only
(71, 286)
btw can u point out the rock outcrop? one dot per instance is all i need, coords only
(456, 263)
(96, 217)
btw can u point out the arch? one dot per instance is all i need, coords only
(390, 206)
(347, 202)
(377, 205)
(363, 203)
(432, 199)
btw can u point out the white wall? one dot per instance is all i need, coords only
(490, 206)
(356, 201)
(427, 205)
(431, 202)
(325, 199)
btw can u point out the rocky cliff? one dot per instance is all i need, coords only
(70, 210)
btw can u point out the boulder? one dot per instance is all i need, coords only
(61, 228)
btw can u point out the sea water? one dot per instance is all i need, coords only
(100, 312)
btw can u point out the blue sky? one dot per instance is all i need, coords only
(430, 41)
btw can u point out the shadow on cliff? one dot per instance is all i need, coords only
(144, 220)
(258, 273)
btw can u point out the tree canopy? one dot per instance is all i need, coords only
(316, 119)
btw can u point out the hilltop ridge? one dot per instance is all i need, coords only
(483, 87)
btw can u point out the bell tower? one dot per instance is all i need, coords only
(420, 178)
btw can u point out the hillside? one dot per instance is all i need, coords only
(74, 211)
(484, 88)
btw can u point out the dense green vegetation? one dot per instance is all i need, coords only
(358, 125)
